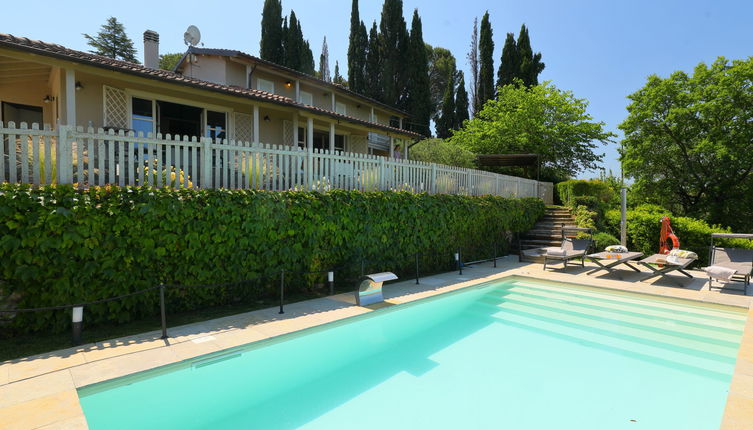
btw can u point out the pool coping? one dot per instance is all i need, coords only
(40, 392)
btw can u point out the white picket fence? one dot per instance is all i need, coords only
(98, 157)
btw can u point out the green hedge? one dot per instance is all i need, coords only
(61, 246)
(644, 228)
(568, 191)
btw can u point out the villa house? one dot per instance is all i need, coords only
(212, 93)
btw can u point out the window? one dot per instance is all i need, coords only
(301, 137)
(19, 113)
(142, 116)
(341, 108)
(265, 85)
(339, 143)
(216, 125)
(307, 98)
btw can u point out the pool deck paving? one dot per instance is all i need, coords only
(40, 392)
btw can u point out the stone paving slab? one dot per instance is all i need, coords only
(48, 381)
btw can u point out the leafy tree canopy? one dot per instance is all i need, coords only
(442, 152)
(169, 61)
(112, 41)
(541, 119)
(688, 141)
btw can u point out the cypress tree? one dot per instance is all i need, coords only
(356, 51)
(112, 41)
(418, 87)
(530, 64)
(307, 59)
(461, 103)
(486, 63)
(473, 63)
(324, 63)
(374, 65)
(271, 44)
(446, 120)
(509, 66)
(293, 43)
(394, 43)
(337, 79)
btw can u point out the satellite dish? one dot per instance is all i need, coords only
(192, 36)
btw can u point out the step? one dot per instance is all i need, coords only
(656, 324)
(541, 242)
(579, 331)
(550, 225)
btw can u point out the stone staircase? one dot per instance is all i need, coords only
(547, 231)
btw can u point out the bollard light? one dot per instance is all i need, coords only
(78, 314)
(77, 319)
(331, 282)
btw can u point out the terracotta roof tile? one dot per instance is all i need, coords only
(58, 51)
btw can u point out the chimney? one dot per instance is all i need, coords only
(151, 49)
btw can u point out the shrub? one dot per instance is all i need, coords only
(63, 246)
(567, 191)
(602, 240)
(442, 152)
(644, 228)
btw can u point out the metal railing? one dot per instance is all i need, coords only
(77, 308)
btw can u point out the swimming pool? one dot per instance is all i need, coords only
(518, 354)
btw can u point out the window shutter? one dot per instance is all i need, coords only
(115, 108)
(244, 127)
(287, 133)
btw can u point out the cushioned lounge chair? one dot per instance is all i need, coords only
(737, 259)
(572, 249)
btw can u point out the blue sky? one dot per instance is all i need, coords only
(600, 50)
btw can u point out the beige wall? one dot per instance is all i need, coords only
(236, 74)
(278, 80)
(207, 68)
(31, 94)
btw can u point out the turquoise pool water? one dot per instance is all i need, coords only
(518, 354)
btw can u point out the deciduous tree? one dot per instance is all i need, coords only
(687, 142)
(169, 61)
(441, 151)
(541, 120)
(442, 67)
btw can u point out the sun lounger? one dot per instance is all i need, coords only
(609, 260)
(571, 249)
(662, 264)
(739, 260)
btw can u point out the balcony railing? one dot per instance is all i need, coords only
(95, 157)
